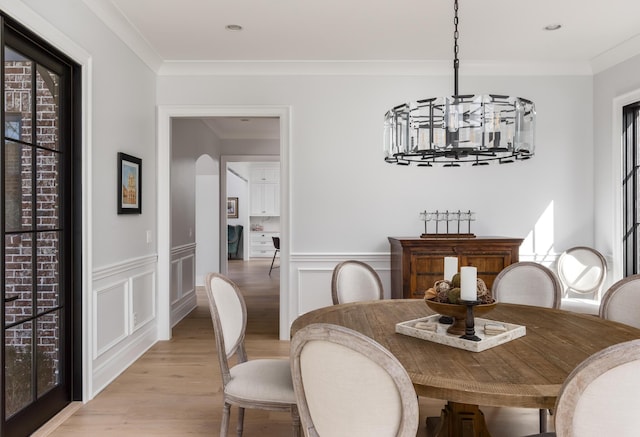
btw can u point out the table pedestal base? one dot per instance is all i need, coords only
(458, 420)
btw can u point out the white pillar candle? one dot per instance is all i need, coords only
(450, 267)
(468, 283)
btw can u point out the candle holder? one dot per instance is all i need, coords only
(470, 331)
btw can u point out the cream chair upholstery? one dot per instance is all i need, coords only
(349, 385)
(262, 383)
(582, 271)
(599, 398)
(354, 281)
(621, 302)
(528, 283)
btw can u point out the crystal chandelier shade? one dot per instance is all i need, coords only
(448, 131)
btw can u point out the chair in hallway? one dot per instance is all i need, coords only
(264, 384)
(347, 384)
(621, 302)
(582, 271)
(234, 238)
(354, 281)
(276, 245)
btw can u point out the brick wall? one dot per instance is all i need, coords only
(20, 260)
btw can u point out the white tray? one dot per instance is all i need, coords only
(440, 334)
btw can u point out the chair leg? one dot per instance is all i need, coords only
(240, 421)
(543, 420)
(272, 261)
(295, 417)
(224, 425)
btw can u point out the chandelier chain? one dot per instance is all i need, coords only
(456, 61)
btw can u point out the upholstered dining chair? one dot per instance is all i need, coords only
(347, 384)
(582, 271)
(354, 281)
(621, 302)
(528, 283)
(599, 397)
(261, 383)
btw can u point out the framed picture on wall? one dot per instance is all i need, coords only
(232, 207)
(129, 184)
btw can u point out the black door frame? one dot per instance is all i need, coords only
(26, 421)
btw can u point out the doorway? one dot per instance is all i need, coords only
(41, 254)
(165, 115)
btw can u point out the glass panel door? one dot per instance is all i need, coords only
(38, 255)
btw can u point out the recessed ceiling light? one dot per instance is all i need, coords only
(233, 27)
(553, 27)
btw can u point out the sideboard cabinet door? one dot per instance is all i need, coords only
(416, 263)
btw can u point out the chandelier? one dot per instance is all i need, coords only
(462, 128)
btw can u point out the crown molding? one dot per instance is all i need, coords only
(616, 55)
(113, 18)
(370, 68)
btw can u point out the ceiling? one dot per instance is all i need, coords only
(377, 30)
(369, 36)
(235, 128)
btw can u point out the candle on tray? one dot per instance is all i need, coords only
(468, 283)
(450, 267)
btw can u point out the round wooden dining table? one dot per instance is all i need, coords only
(524, 372)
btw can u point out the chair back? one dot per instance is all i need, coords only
(582, 270)
(354, 281)
(229, 316)
(234, 236)
(528, 283)
(599, 398)
(621, 302)
(276, 242)
(347, 384)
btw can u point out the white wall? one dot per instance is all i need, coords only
(189, 140)
(345, 200)
(207, 217)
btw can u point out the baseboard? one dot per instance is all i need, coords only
(57, 420)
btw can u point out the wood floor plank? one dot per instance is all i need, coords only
(175, 388)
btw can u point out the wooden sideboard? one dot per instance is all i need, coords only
(416, 263)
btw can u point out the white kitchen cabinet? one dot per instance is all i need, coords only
(265, 200)
(265, 191)
(261, 244)
(263, 175)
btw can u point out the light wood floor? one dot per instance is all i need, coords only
(174, 389)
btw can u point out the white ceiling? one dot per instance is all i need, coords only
(234, 128)
(368, 36)
(594, 32)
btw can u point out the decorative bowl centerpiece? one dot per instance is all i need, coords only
(458, 313)
(444, 299)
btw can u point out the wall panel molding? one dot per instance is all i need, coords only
(123, 314)
(110, 270)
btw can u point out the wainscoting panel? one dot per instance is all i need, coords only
(110, 317)
(176, 273)
(143, 302)
(310, 287)
(183, 274)
(124, 317)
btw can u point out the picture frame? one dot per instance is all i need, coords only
(232, 207)
(129, 184)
